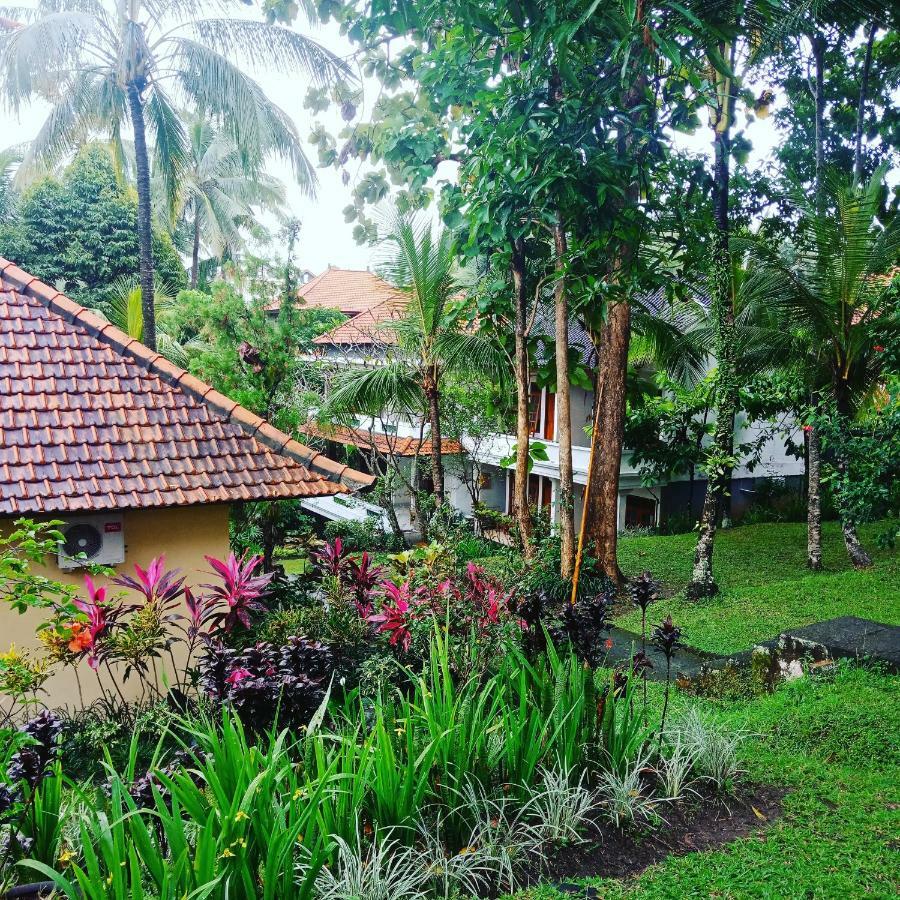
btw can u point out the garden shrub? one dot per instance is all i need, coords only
(359, 536)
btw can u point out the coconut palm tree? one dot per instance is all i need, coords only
(426, 343)
(834, 304)
(108, 65)
(218, 191)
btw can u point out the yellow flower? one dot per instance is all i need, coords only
(466, 850)
(240, 815)
(299, 838)
(225, 854)
(66, 857)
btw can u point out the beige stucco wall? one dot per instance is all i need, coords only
(183, 534)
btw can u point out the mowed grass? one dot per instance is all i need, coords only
(765, 585)
(832, 742)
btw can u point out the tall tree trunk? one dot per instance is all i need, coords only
(523, 392)
(145, 237)
(268, 529)
(855, 550)
(195, 251)
(386, 498)
(861, 109)
(813, 500)
(813, 442)
(703, 583)
(563, 409)
(600, 513)
(437, 459)
(602, 501)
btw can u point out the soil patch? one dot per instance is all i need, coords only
(705, 824)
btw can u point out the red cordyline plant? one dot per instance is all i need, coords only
(240, 590)
(332, 559)
(364, 578)
(158, 586)
(397, 613)
(101, 614)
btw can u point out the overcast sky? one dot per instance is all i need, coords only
(326, 238)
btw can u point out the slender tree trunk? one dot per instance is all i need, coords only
(813, 500)
(437, 459)
(813, 442)
(722, 307)
(195, 252)
(861, 109)
(268, 528)
(386, 498)
(145, 238)
(563, 410)
(523, 391)
(855, 550)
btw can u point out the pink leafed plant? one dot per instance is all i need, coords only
(240, 590)
(332, 559)
(156, 584)
(364, 578)
(396, 614)
(101, 617)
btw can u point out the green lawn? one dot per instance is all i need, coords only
(765, 586)
(833, 743)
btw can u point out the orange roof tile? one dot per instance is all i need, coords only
(348, 290)
(91, 419)
(366, 328)
(383, 443)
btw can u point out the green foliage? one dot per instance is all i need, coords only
(832, 742)
(862, 461)
(367, 535)
(245, 352)
(78, 231)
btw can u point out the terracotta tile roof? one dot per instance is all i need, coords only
(366, 328)
(91, 419)
(383, 443)
(348, 290)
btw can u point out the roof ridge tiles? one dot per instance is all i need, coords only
(156, 364)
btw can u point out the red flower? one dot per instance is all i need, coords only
(878, 348)
(100, 616)
(608, 643)
(807, 428)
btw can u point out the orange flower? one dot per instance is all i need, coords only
(81, 638)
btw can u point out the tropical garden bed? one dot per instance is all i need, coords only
(414, 727)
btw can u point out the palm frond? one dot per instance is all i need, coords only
(170, 146)
(282, 48)
(216, 84)
(391, 387)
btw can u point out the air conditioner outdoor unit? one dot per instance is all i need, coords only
(92, 540)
